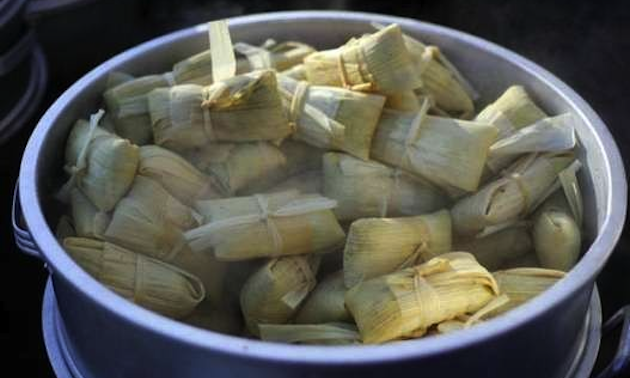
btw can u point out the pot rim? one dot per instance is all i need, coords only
(578, 278)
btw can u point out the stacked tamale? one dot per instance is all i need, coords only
(353, 195)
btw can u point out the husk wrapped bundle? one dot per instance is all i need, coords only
(497, 249)
(326, 303)
(311, 334)
(102, 165)
(297, 72)
(371, 189)
(377, 62)
(378, 246)
(405, 304)
(301, 157)
(243, 108)
(446, 151)
(274, 293)
(509, 197)
(266, 225)
(407, 101)
(332, 118)
(309, 182)
(147, 282)
(523, 284)
(88, 221)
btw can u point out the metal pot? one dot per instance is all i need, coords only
(110, 337)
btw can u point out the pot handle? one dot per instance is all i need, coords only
(21, 234)
(620, 364)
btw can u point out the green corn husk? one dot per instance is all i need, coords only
(297, 72)
(495, 250)
(65, 228)
(180, 178)
(371, 189)
(406, 303)
(147, 282)
(332, 118)
(273, 294)
(277, 224)
(309, 182)
(197, 69)
(404, 101)
(378, 62)
(108, 164)
(128, 106)
(116, 78)
(244, 108)
(528, 260)
(446, 151)
(88, 222)
(326, 303)
(509, 197)
(220, 319)
(556, 235)
(311, 334)
(378, 246)
(279, 56)
(523, 284)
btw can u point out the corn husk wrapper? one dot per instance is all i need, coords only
(180, 178)
(332, 118)
(116, 78)
(371, 189)
(243, 108)
(528, 260)
(495, 250)
(297, 72)
(378, 246)
(273, 294)
(326, 303)
(65, 228)
(301, 157)
(102, 165)
(446, 151)
(311, 334)
(571, 188)
(523, 284)
(556, 235)
(147, 282)
(197, 69)
(404, 101)
(220, 319)
(509, 197)
(377, 62)
(277, 224)
(128, 106)
(405, 304)
(88, 221)
(310, 182)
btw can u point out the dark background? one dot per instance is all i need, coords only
(585, 43)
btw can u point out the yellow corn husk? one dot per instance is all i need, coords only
(378, 62)
(147, 282)
(445, 151)
(528, 260)
(495, 250)
(309, 182)
(301, 157)
(509, 197)
(279, 56)
(326, 303)
(523, 284)
(273, 294)
(217, 319)
(197, 69)
(276, 224)
(128, 106)
(332, 118)
(180, 178)
(297, 72)
(65, 228)
(378, 246)
(244, 108)
(88, 222)
(311, 334)
(371, 189)
(103, 164)
(404, 101)
(405, 304)
(556, 235)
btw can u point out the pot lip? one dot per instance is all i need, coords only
(580, 277)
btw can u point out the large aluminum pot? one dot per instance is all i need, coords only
(110, 337)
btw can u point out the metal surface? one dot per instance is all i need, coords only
(529, 341)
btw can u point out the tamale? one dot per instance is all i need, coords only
(510, 196)
(301, 157)
(128, 106)
(180, 178)
(523, 284)
(377, 62)
(332, 118)
(147, 282)
(406, 303)
(274, 293)
(102, 165)
(243, 108)
(88, 221)
(317, 334)
(371, 189)
(266, 225)
(378, 246)
(309, 182)
(495, 250)
(297, 72)
(326, 302)
(116, 78)
(442, 150)
(404, 101)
